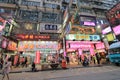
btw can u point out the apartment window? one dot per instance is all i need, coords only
(8, 1)
(58, 1)
(30, 3)
(49, 5)
(51, 17)
(86, 10)
(29, 15)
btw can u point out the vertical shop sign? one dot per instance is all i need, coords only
(15, 59)
(37, 57)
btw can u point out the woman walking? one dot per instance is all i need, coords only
(6, 69)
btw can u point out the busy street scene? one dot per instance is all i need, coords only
(59, 39)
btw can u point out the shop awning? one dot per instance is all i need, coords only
(115, 45)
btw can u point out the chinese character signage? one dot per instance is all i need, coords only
(82, 37)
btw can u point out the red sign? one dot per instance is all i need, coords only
(113, 15)
(32, 37)
(37, 57)
(12, 45)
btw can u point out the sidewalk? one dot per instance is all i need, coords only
(28, 69)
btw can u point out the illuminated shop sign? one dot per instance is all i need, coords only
(100, 46)
(51, 28)
(113, 15)
(87, 20)
(83, 30)
(37, 45)
(4, 43)
(12, 45)
(2, 23)
(87, 23)
(32, 37)
(116, 30)
(110, 37)
(82, 37)
(106, 30)
(80, 46)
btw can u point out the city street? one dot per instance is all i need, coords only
(108, 72)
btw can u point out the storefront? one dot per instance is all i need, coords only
(74, 49)
(80, 44)
(39, 50)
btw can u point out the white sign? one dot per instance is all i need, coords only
(50, 28)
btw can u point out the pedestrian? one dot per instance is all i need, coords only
(67, 59)
(1, 63)
(33, 67)
(98, 57)
(6, 69)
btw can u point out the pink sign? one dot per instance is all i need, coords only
(37, 57)
(116, 30)
(80, 51)
(80, 45)
(100, 46)
(87, 23)
(4, 43)
(92, 51)
(2, 24)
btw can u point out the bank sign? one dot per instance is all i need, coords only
(82, 37)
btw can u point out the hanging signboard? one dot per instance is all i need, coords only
(82, 37)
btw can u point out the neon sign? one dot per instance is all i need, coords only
(2, 23)
(87, 23)
(86, 30)
(32, 37)
(116, 30)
